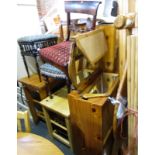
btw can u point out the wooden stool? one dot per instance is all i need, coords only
(29, 46)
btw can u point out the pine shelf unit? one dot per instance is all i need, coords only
(57, 116)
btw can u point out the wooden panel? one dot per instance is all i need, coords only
(109, 57)
(86, 128)
(58, 102)
(93, 45)
(33, 81)
(91, 123)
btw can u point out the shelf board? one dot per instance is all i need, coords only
(58, 103)
(59, 125)
(40, 114)
(63, 140)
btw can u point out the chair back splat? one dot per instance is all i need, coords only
(85, 7)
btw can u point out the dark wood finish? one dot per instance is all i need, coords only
(85, 7)
(30, 48)
(26, 67)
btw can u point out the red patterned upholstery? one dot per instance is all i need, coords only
(58, 54)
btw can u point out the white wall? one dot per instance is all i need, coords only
(28, 24)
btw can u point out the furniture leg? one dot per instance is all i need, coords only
(69, 132)
(47, 119)
(31, 106)
(37, 67)
(26, 67)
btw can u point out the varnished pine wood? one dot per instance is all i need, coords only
(30, 105)
(30, 85)
(33, 81)
(58, 104)
(88, 128)
(132, 89)
(32, 144)
(91, 120)
(109, 57)
(126, 53)
(23, 116)
(125, 21)
(93, 45)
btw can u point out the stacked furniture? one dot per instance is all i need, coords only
(91, 113)
(29, 46)
(59, 54)
(35, 91)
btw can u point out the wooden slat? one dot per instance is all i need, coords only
(59, 125)
(63, 140)
(132, 85)
(136, 74)
(136, 84)
(122, 49)
(131, 105)
(48, 123)
(129, 76)
(69, 132)
(19, 125)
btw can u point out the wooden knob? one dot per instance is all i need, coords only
(120, 21)
(125, 21)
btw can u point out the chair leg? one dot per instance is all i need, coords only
(37, 67)
(48, 87)
(68, 83)
(25, 63)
